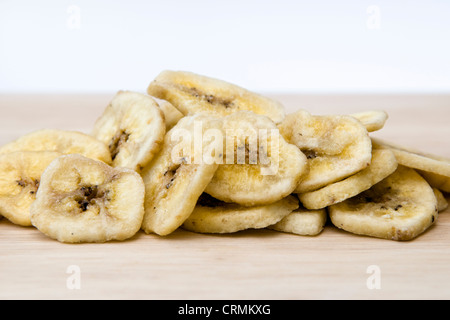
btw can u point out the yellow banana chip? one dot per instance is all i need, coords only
(302, 222)
(373, 120)
(171, 114)
(213, 216)
(336, 146)
(179, 174)
(401, 207)
(83, 200)
(442, 203)
(133, 128)
(65, 142)
(383, 164)
(192, 93)
(259, 167)
(435, 169)
(20, 177)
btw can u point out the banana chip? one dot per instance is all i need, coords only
(260, 167)
(192, 93)
(435, 169)
(373, 120)
(65, 142)
(442, 203)
(84, 200)
(178, 175)
(302, 222)
(214, 216)
(133, 127)
(401, 207)
(336, 146)
(383, 164)
(20, 176)
(436, 180)
(171, 114)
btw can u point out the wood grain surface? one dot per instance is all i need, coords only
(253, 264)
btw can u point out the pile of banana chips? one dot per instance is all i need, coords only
(211, 157)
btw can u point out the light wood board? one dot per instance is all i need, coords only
(252, 264)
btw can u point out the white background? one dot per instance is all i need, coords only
(72, 46)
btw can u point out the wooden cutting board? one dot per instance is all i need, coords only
(254, 264)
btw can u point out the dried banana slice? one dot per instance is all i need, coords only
(336, 146)
(84, 200)
(66, 142)
(20, 175)
(401, 207)
(302, 222)
(191, 93)
(442, 203)
(438, 181)
(133, 127)
(260, 167)
(383, 164)
(373, 120)
(435, 169)
(171, 114)
(214, 216)
(178, 175)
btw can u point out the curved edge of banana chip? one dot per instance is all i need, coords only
(442, 203)
(171, 114)
(436, 180)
